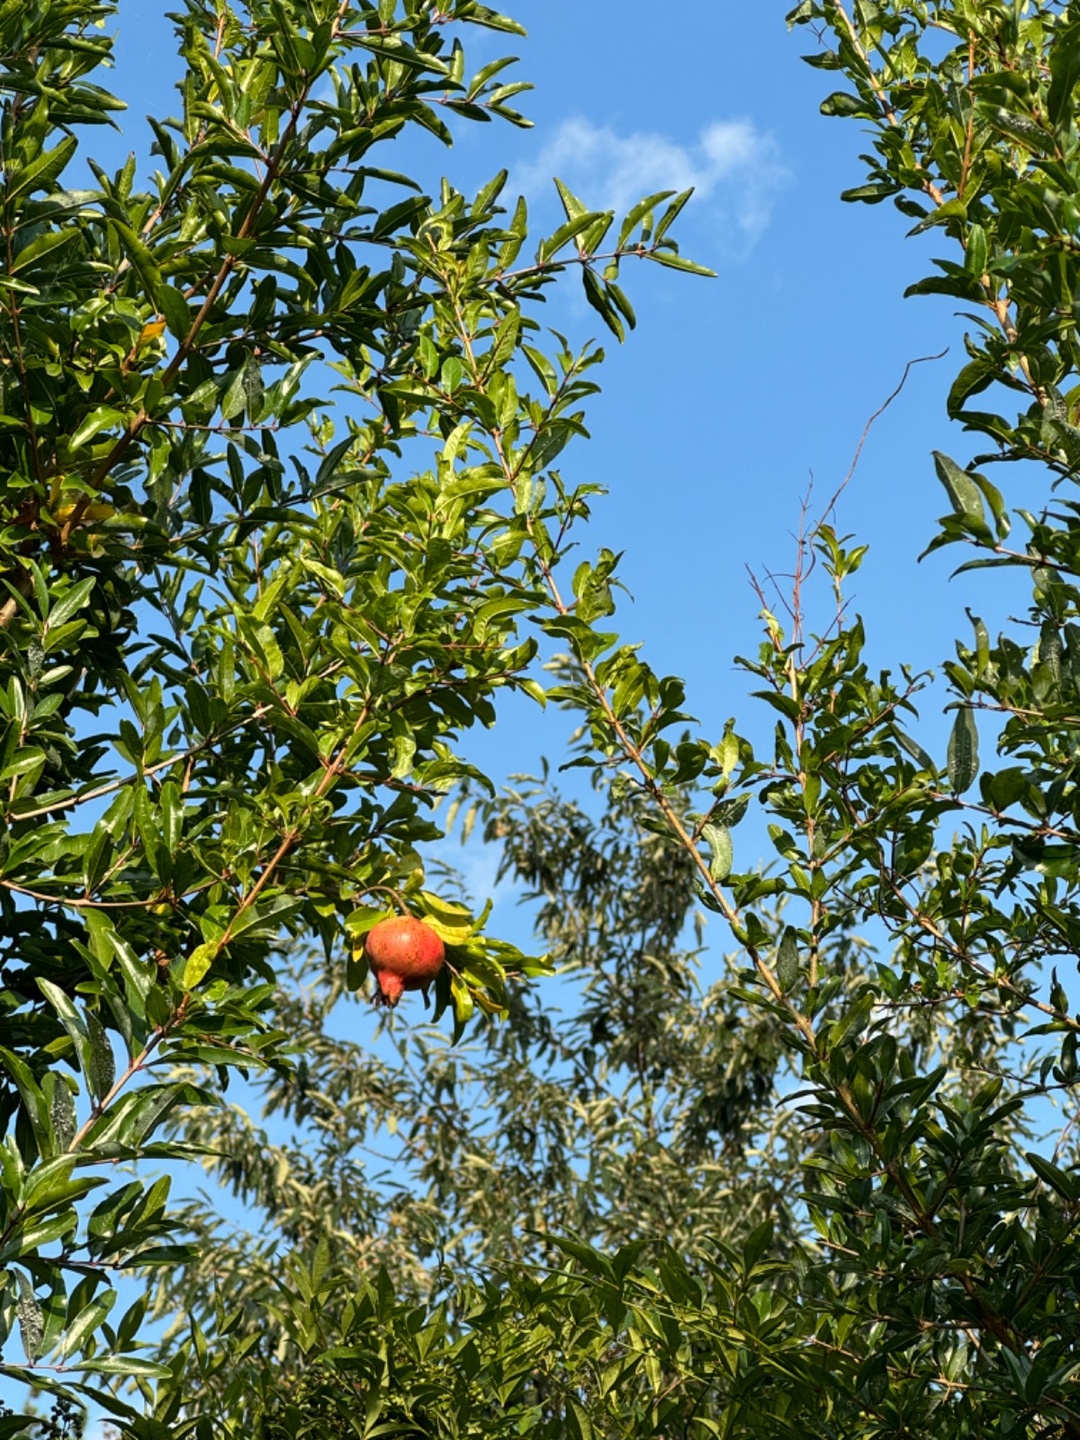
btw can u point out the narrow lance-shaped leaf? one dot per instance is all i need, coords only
(72, 1022)
(32, 1097)
(964, 495)
(963, 754)
(86, 1322)
(1064, 72)
(31, 1318)
(62, 1112)
(787, 959)
(73, 600)
(721, 850)
(977, 251)
(102, 1061)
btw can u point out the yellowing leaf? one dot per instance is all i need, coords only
(462, 998)
(448, 934)
(152, 330)
(198, 963)
(488, 1005)
(452, 923)
(95, 510)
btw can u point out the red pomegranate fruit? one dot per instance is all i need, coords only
(404, 954)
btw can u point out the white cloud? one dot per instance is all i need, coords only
(733, 167)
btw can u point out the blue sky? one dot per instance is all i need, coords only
(731, 392)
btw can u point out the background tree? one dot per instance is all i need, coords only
(628, 1107)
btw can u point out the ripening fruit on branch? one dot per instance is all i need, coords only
(403, 954)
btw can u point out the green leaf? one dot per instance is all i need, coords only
(1064, 1184)
(505, 340)
(640, 211)
(676, 262)
(31, 1319)
(359, 921)
(787, 959)
(963, 755)
(103, 418)
(578, 1423)
(871, 194)
(575, 210)
(916, 751)
(976, 376)
(574, 227)
(32, 1097)
(172, 815)
(102, 1072)
(976, 252)
(842, 104)
(672, 213)
(964, 494)
(942, 215)
(1064, 73)
(43, 245)
(88, 1320)
(42, 173)
(142, 261)
(62, 1112)
(73, 600)
(265, 919)
(72, 1022)
(477, 14)
(721, 850)
(462, 998)
(129, 1366)
(235, 397)
(597, 295)
(174, 307)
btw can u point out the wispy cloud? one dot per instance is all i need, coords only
(735, 169)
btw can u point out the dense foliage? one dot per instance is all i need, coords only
(817, 1198)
